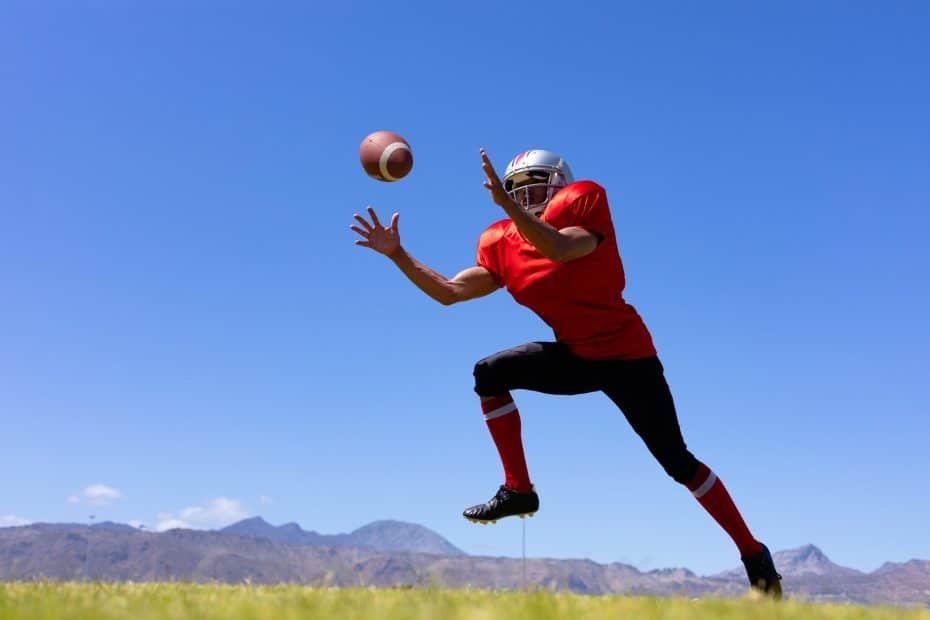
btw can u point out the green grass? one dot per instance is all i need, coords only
(150, 601)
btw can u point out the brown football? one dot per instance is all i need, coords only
(385, 156)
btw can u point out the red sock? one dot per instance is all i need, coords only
(712, 495)
(503, 421)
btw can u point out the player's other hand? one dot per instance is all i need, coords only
(383, 239)
(493, 183)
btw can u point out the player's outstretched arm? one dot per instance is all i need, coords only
(468, 284)
(559, 245)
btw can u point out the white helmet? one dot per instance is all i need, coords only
(550, 169)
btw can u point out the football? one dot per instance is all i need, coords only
(385, 156)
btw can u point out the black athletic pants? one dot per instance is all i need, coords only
(637, 387)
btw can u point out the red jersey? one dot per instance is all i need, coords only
(582, 299)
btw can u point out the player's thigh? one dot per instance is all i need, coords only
(639, 388)
(547, 367)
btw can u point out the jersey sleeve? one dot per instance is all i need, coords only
(587, 208)
(488, 256)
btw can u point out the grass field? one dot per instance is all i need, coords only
(180, 601)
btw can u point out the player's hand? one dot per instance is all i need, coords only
(385, 240)
(493, 184)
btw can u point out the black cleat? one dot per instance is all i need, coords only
(505, 503)
(762, 574)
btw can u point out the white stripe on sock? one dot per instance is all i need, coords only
(496, 413)
(704, 488)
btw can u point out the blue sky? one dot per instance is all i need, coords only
(190, 335)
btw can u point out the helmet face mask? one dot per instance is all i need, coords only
(533, 177)
(533, 196)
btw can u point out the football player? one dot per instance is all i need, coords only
(556, 253)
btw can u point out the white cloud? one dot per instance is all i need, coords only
(12, 521)
(219, 511)
(214, 513)
(170, 524)
(96, 495)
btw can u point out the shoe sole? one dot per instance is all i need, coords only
(486, 521)
(774, 591)
(770, 590)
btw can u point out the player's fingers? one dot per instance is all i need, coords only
(364, 244)
(491, 174)
(394, 219)
(486, 161)
(364, 233)
(362, 221)
(374, 216)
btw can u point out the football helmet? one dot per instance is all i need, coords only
(536, 169)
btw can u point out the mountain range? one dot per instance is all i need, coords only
(393, 553)
(379, 535)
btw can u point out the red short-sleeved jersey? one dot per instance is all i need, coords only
(582, 299)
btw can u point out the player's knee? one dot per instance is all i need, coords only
(490, 378)
(680, 466)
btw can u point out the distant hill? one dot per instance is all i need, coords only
(380, 536)
(78, 552)
(802, 561)
(400, 536)
(289, 533)
(809, 560)
(114, 527)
